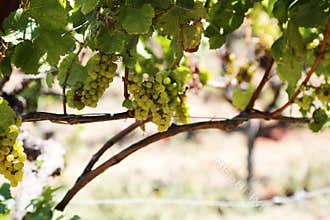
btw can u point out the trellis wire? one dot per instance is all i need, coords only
(299, 196)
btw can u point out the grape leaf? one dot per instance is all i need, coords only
(288, 53)
(169, 22)
(86, 5)
(70, 65)
(295, 42)
(75, 217)
(6, 200)
(64, 66)
(5, 191)
(191, 36)
(225, 17)
(50, 79)
(280, 10)
(130, 56)
(49, 14)
(189, 4)
(46, 41)
(5, 67)
(176, 22)
(162, 4)
(26, 56)
(78, 74)
(77, 18)
(31, 94)
(137, 20)
(309, 13)
(290, 72)
(118, 41)
(323, 69)
(320, 119)
(18, 27)
(241, 97)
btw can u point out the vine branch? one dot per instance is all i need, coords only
(262, 83)
(108, 145)
(73, 119)
(225, 125)
(309, 73)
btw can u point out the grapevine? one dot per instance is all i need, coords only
(149, 43)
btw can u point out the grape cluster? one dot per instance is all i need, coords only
(305, 102)
(73, 96)
(323, 92)
(160, 95)
(12, 154)
(245, 72)
(98, 80)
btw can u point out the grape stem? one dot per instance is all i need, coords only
(225, 125)
(207, 4)
(125, 79)
(66, 80)
(308, 74)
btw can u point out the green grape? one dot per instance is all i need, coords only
(74, 98)
(97, 81)
(156, 94)
(182, 115)
(314, 44)
(128, 104)
(204, 76)
(12, 156)
(167, 81)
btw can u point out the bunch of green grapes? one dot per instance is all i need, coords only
(228, 60)
(12, 154)
(73, 96)
(161, 95)
(181, 113)
(97, 81)
(245, 72)
(323, 92)
(305, 102)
